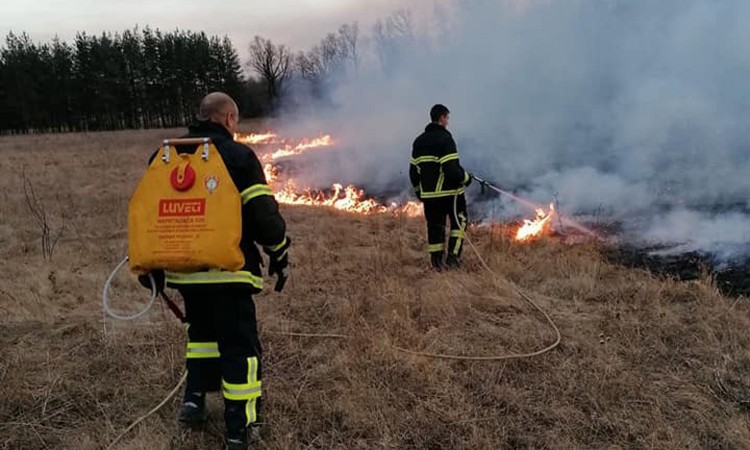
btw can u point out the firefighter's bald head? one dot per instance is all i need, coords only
(218, 107)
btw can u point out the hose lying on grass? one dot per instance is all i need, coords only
(516, 289)
(523, 295)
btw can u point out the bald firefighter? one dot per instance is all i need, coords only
(439, 182)
(223, 348)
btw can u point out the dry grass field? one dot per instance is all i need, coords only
(644, 362)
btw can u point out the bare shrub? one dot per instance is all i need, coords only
(50, 234)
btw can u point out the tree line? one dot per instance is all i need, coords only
(136, 79)
(144, 78)
(341, 55)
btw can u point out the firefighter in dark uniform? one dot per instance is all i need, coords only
(440, 182)
(223, 349)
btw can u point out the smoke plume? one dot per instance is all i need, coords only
(638, 110)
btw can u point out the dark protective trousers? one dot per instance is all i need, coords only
(224, 351)
(436, 211)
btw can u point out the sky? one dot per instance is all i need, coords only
(297, 23)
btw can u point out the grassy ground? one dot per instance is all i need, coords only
(644, 362)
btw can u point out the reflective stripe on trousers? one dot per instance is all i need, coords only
(457, 236)
(202, 350)
(433, 248)
(247, 392)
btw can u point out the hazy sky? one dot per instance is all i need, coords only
(298, 23)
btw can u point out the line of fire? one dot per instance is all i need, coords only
(274, 148)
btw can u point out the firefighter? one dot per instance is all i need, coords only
(439, 182)
(223, 348)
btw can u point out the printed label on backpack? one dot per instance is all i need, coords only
(182, 207)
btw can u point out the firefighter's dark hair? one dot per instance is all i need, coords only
(438, 111)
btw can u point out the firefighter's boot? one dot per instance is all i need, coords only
(242, 439)
(237, 440)
(452, 261)
(193, 411)
(436, 258)
(239, 436)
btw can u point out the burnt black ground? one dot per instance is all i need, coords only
(732, 279)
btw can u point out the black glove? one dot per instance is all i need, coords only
(278, 264)
(159, 280)
(471, 178)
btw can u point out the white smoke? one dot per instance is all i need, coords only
(633, 107)
(727, 236)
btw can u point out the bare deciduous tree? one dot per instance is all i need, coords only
(332, 54)
(349, 36)
(401, 23)
(324, 61)
(336, 55)
(272, 63)
(391, 35)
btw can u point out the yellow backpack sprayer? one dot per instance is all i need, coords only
(182, 217)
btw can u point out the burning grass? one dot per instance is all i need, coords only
(645, 362)
(286, 190)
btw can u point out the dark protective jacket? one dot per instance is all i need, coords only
(261, 221)
(435, 171)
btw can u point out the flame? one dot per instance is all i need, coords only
(409, 209)
(350, 198)
(260, 138)
(271, 172)
(302, 147)
(533, 229)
